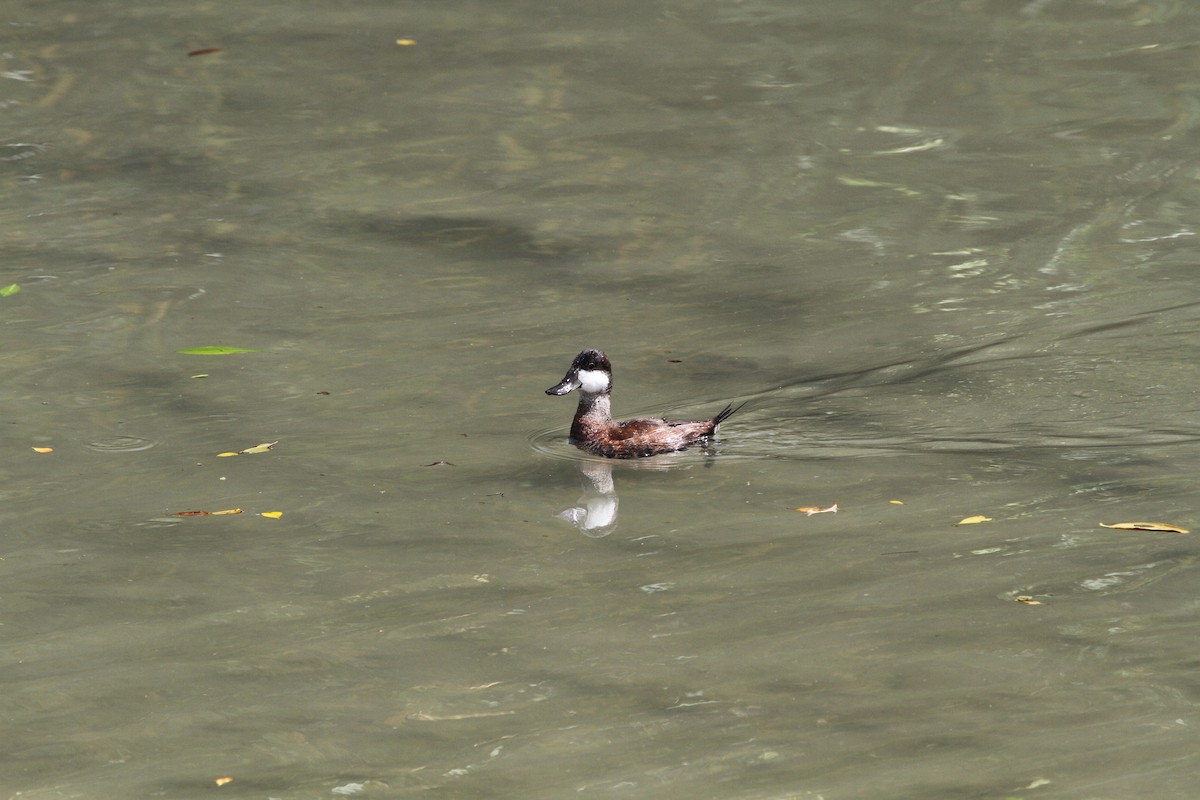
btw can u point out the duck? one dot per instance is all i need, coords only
(594, 430)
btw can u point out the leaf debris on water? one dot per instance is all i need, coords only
(258, 448)
(1161, 527)
(214, 350)
(973, 520)
(810, 510)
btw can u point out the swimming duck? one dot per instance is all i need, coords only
(594, 430)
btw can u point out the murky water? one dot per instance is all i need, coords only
(945, 250)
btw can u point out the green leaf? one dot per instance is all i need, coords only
(11, 289)
(214, 350)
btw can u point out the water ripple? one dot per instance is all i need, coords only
(121, 444)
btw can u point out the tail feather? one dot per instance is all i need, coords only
(725, 413)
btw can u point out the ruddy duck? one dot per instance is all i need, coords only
(593, 427)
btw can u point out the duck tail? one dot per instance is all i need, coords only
(726, 412)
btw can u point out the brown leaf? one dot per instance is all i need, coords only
(810, 510)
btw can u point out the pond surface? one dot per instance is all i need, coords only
(945, 252)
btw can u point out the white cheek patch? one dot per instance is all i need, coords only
(593, 381)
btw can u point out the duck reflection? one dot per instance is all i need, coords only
(596, 511)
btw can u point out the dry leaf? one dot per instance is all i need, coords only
(1027, 600)
(810, 510)
(973, 520)
(272, 514)
(406, 42)
(227, 511)
(223, 781)
(258, 448)
(896, 502)
(43, 449)
(1146, 526)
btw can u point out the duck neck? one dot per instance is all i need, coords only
(594, 410)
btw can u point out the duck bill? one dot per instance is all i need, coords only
(571, 381)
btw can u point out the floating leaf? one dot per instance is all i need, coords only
(258, 448)
(1027, 600)
(214, 350)
(974, 520)
(43, 449)
(206, 513)
(203, 51)
(223, 781)
(406, 42)
(896, 502)
(1162, 527)
(10, 290)
(810, 510)
(272, 514)
(201, 375)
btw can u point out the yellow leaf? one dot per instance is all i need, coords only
(228, 511)
(272, 514)
(1146, 526)
(896, 502)
(43, 449)
(225, 455)
(259, 448)
(223, 781)
(406, 42)
(973, 520)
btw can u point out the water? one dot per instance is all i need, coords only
(943, 250)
